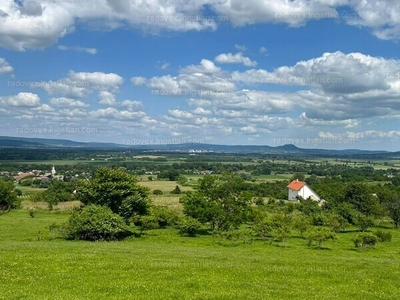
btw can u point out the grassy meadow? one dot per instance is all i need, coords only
(35, 264)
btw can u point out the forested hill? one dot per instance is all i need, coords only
(19, 142)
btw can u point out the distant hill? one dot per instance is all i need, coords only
(19, 142)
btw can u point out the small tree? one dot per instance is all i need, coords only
(182, 180)
(177, 190)
(281, 228)
(364, 222)
(336, 222)
(393, 208)
(319, 235)
(301, 223)
(8, 197)
(117, 190)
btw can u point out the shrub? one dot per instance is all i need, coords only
(145, 223)
(383, 236)
(176, 191)
(165, 217)
(32, 213)
(157, 192)
(259, 201)
(365, 240)
(189, 226)
(95, 223)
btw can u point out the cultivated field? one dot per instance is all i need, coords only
(34, 264)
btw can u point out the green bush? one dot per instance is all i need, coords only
(176, 191)
(365, 240)
(145, 223)
(8, 197)
(165, 217)
(383, 236)
(189, 226)
(157, 192)
(95, 223)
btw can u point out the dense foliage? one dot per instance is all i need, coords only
(116, 189)
(95, 223)
(8, 197)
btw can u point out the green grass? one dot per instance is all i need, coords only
(35, 265)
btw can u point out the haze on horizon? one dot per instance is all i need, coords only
(320, 74)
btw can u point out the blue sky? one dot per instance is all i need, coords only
(317, 74)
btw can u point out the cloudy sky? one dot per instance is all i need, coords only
(318, 74)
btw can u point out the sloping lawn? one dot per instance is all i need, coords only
(34, 264)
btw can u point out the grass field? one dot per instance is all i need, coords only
(164, 185)
(36, 265)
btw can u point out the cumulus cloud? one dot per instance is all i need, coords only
(238, 58)
(40, 23)
(107, 98)
(132, 105)
(113, 113)
(206, 67)
(138, 80)
(67, 102)
(5, 67)
(81, 84)
(21, 100)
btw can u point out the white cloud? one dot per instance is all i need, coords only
(92, 51)
(107, 98)
(44, 108)
(21, 100)
(206, 67)
(40, 23)
(138, 81)
(241, 48)
(81, 84)
(113, 113)
(67, 102)
(5, 67)
(263, 50)
(132, 105)
(238, 58)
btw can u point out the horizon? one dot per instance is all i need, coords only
(254, 73)
(142, 143)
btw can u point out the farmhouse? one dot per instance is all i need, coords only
(301, 189)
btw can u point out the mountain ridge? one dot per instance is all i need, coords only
(22, 142)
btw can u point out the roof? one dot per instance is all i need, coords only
(296, 185)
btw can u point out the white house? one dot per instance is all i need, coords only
(300, 188)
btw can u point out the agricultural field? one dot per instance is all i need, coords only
(35, 264)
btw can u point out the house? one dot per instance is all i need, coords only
(301, 189)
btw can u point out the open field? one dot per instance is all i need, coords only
(29, 190)
(35, 265)
(164, 185)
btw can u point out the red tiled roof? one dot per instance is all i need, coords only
(296, 185)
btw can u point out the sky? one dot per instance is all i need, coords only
(317, 74)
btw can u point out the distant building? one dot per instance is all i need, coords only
(301, 189)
